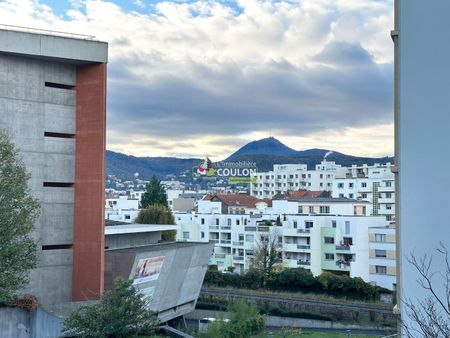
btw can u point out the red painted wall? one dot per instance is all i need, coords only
(88, 245)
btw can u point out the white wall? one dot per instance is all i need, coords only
(423, 136)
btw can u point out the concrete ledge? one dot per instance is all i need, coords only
(48, 47)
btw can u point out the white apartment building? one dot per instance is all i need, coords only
(122, 208)
(319, 234)
(375, 184)
(285, 177)
(382, 256)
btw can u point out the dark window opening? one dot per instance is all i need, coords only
(60, 135)
(59, 85)
(57, 247)
(58, 184)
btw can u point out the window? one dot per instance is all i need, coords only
(127, 217)
(229, 221)
(309, 224)
(380, 238)
(249, 238)
(202, 234)
(238, 222)
(329, 257)
(280, 239)
(203, 221)
(333, 223)
(380, 269)
(300, 209)
(388, 183)
(329, 240)
(340, 185)
(388, 195)
(241, 237)
(347, 227)
(185, 234)
(388, 206)
(324, 209)
(351, 196)
(363, 195)
(350, 185)
(380, 253)
(311, 209)
(217, 221)
(363, 185)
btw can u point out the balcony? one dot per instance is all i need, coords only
(215, 240)
(238, 258)
(219, 255)
(226, 228)
(342, 247)
(213, 227)
(263, 229)
(304, 263)
(239, 243)
(303, 246)
(225, 241)
(303, 231)
(250, 228)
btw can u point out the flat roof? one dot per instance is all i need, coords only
(48, 45)
(325, 200)
(159, 246)
(133, 228)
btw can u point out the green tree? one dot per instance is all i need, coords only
(294, 279)
(155, 193)
(18, 212)
(265, 258)
(244, 321)
(121, 313)
(158, 214)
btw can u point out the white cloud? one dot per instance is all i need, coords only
(204, 69)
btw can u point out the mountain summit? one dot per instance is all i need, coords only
(265, 146)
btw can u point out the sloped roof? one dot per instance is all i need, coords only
(299, 194)
(233, 200)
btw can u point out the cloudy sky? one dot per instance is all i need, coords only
(196, 78)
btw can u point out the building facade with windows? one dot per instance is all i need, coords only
(375, 184)
(53, 107)
(382, 256)
(286, 177)
(318, 234)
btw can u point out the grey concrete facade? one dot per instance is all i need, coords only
(179, 282)
(29, 108)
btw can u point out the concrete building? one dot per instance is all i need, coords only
(422, 118)
(382, 256)
(375, 184)
(168, 275)
(285, 177)
(53, 106)
(318, 233)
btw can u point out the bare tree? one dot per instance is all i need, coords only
(432, 315)
(265, 257)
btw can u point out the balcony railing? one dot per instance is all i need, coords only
(213, 227)
(225, 241)
(250, 228)
(303, 263)
(225, 227)
(263, 229)
(238, 258)
(303, 231)
(215, 240)
(219, 255)
(240, 243)
(303, 246)
(343, 247)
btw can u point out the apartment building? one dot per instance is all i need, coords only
(375, 184)
(285, 177)
(315, 233)
(122, 208)
(382, 256)
(53, 106)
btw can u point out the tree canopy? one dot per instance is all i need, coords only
(155, 193)
(121, 313)
(18, 212)
(158, 214)
(265, 257)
